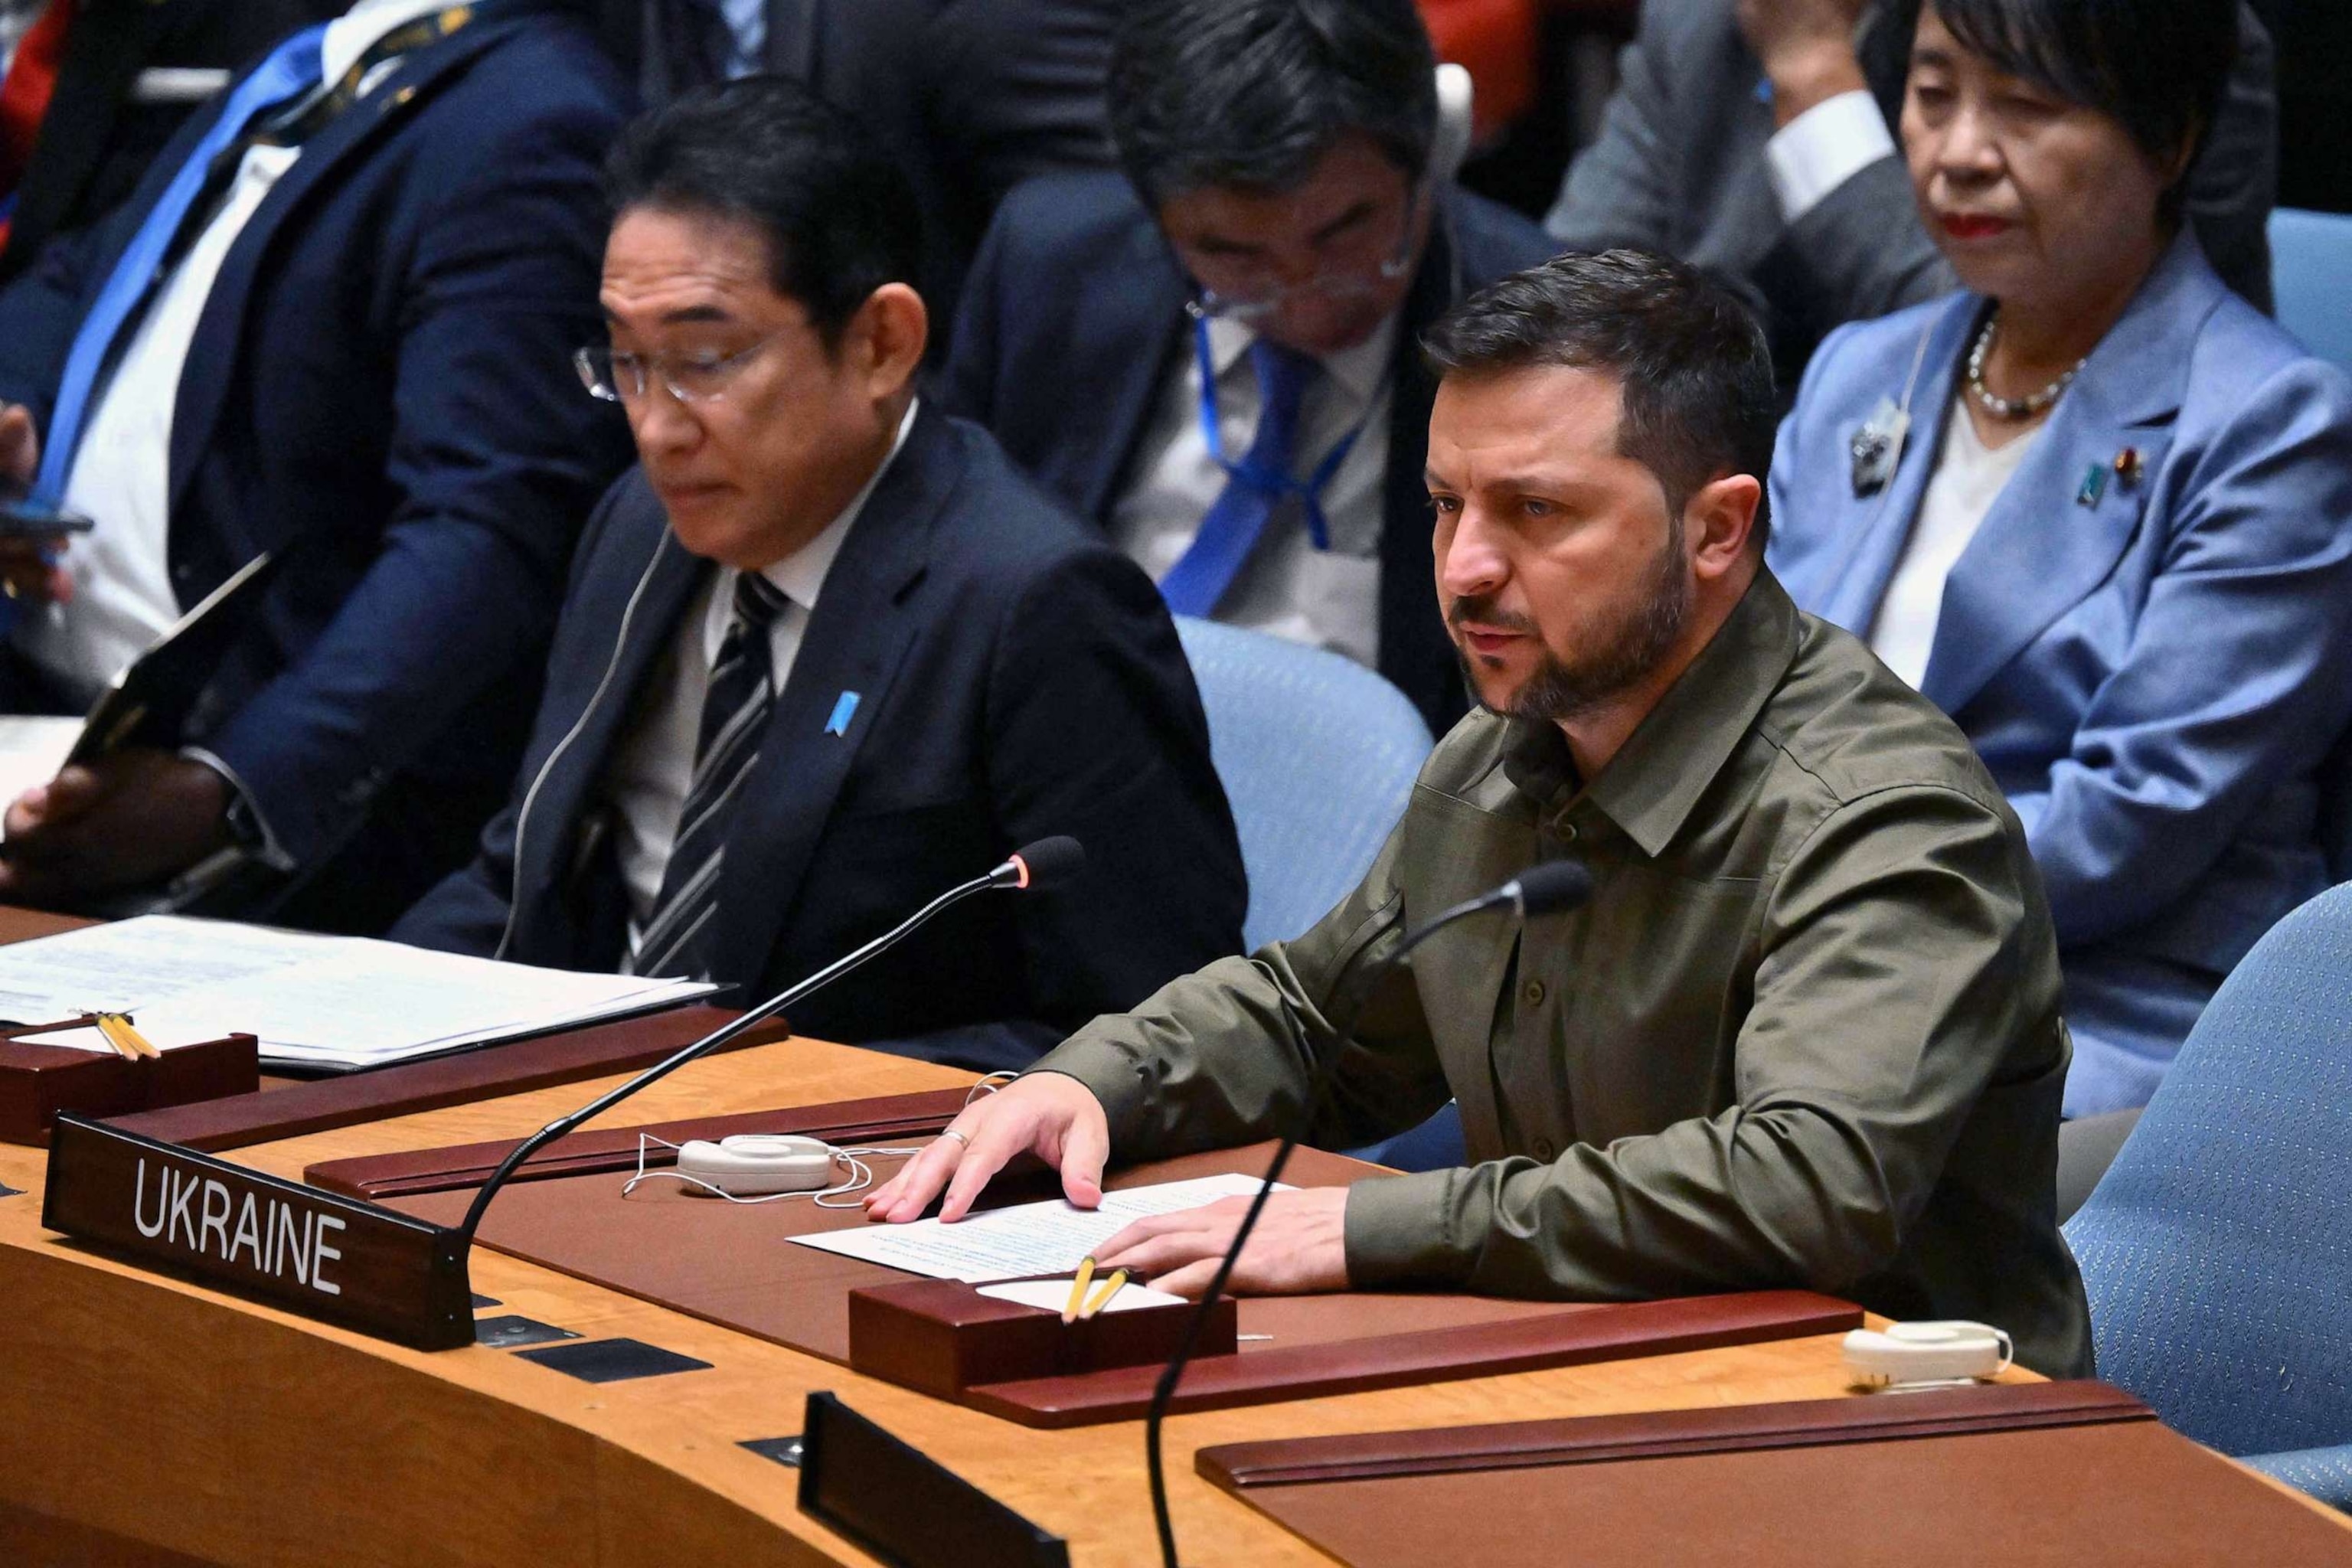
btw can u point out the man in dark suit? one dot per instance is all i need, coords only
(330, 326)
(129, 73)
(969, 96)
(1753, 138)
(826, 653)
(1282, 183)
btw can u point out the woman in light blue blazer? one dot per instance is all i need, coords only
(2097, 507)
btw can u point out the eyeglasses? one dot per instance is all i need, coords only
(618, 376)
(1364, 268)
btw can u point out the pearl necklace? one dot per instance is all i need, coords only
(2013, 410)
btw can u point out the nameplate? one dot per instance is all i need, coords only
(314, 1253)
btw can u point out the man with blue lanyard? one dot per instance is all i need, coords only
(331, 326)
(1216, 357)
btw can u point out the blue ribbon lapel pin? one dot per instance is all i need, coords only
(843, 711)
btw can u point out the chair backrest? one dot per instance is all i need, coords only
(1318, 755)
(2218, 1250)
(2311, 262)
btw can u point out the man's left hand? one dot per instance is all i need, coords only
(133, 817)
(1299, 1247)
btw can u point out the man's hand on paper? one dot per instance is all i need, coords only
(1055, 1117)
(29, 567)
(136, 817)
(1299, 1247)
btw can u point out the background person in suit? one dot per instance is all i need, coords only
(1753, 138)
(96, 88)
(2116, 544)
(969, 97)
(826, 653)
(1285, 231)
(346, 349)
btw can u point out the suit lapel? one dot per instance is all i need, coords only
(863, 626)
(1140, 301)
(2055, 534)
(1856, 580)
(651, 556)
(212, 357)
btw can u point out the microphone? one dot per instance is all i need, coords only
(1036, 866)
(1551, 887)
(1047, 863)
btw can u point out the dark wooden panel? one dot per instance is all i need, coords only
(1600, 1439)
(569, 1056)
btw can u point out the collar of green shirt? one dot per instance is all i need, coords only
(1656, 780)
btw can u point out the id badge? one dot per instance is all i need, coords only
(1877, 448)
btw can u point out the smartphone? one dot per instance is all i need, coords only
(23, 516)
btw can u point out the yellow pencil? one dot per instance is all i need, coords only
(1110, 1287)
(1078, 1288)
(116, 1028)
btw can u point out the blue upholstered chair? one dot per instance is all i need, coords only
(2311, 259)
(1318, 755)
(2218, 1250)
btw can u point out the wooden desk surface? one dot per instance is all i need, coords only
(165, 1414)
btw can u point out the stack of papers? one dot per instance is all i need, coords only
(1052, 1238)
(325, 1004)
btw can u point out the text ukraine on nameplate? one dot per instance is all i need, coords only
(317, 1253)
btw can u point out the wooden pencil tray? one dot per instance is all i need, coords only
(943, 1337)
(39, 1081)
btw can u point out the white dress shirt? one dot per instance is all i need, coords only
(1329, 598)
(653, 767)
(1821, 149)
(121, 478)
(1968, 478)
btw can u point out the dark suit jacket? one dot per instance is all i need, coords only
(1679, 168)
(1017, 679)
(1073, 319)
(96, 139)
(378, 391)
(970, 96)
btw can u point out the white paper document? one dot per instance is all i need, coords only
(1051, 1237)
(322, 1002)
(32, 750)
(1054, 1295)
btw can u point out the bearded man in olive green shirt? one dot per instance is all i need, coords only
(1807, 1031)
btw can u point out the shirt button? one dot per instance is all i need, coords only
(1535, 993)
(1567, 833)
(1545, 1149)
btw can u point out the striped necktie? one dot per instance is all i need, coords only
(679, 940)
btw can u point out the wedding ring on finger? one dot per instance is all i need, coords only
(963, 1139)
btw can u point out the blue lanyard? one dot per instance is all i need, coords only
(1310, 493)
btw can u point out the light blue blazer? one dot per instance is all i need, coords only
(2154, 670)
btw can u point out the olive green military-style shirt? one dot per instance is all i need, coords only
(1806, 1032)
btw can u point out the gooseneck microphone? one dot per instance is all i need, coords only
(1044, 864)
(1553, 887)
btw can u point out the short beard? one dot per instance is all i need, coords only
(1629, 650)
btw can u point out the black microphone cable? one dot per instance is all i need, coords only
(1551, 887)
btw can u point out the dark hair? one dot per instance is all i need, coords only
(1253, 93)
(1699, 398)
(840, 217)
(2160, 68)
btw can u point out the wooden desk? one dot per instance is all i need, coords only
(163, 1414)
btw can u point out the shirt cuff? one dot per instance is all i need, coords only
(270, 853)
(1399, 1232)
(1823, 148)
